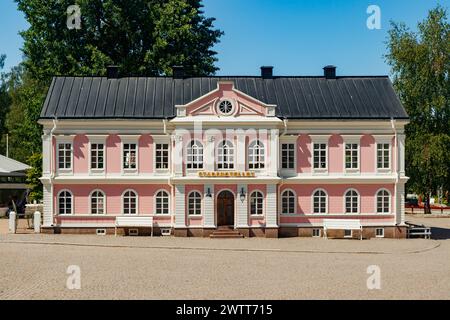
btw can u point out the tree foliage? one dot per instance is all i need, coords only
(33, 175)
(420, 64)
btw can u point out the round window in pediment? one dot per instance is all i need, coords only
(226, 107)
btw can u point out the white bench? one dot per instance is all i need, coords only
(134, 221)
(341, 224)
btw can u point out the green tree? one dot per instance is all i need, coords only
(33, 175)
(420, 64)
(142, 37)
(5, 102)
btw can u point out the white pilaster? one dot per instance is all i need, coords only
(48, 206)
(180, 211)
(274, 141)
(240, 151)
(209, 153)
(208, 210)
(46, 153)
(177, 158)
(242, 207)
(401, 154)
(400, 210)
(271, 206)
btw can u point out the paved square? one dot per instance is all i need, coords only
(34, 267)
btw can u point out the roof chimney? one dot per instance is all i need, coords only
(266, 72)
(112, 72)
(329, 72)
(178, 72)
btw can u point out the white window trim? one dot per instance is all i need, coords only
(295, 203)
(201, 204)
(71, 203)
(320, 233)
(248, 156)
(383, 140)
(358, 211)
(64, 140)
(97, 140)
(376, 202)
(104, 203)
(326, 202)
(288, 140)
(154, 203)
(356, 139)
(320, 139)
(351, 234)
(263, 214)
(377, 236)
(187, 147)
(227, 141)
(129, 140)
(161, 141)
(123, 203)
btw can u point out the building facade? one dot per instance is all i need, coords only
(267, 156)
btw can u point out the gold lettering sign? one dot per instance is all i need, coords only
(226, 174)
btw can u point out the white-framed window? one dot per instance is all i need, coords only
(65, 151)
(98, 202)
(225, 156)
(162, 202)
(316, 233)
(256, 155)
(288, 156)
(97, 156)
(129, 156)
(194, 203)
(383, 156)
(320, 155)
(348, 233)
(379, 232)
(256, 203)
(288, 202)
(351, 156)
(383, 201)
(130, 202)
(195, 155)
(351, 201)
(161, 156)
(65, 202)
(320, 200)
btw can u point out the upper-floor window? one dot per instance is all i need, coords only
(129, 156)
(320, 201)
(320, 155)
(383, 156)
(195, 155)
(65, 156)
(383, 201)
(162, 202)
(256, 203)
(65, 202)
(287, 155)
(256, 155)
(288, 202)
(225, 156)
(351, 201)
(129, 200)
(351, 156)
(98, 202)
(162, 156)
(97, 156)
(194, 204)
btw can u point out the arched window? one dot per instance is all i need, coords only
(162, 202)
(351, 201)
(129, 202)
(195, 155)
(383, 201)
(256, 157)
(98, 202)
(65, 202)
(195, 204)
(256, 203)
(225, 156)
(288, 202)
(320, 201)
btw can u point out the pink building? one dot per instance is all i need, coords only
(264, 156)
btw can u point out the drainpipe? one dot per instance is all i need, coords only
(172, 187)
(396, 166)
(52, 165)
(285, 123)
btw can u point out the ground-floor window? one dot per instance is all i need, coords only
(195, 204)
(256, 203)
(98, 202)
(288, 202)
(379, 232)
(65, 202)
(129, 202)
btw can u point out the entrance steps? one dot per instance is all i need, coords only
(226, 233)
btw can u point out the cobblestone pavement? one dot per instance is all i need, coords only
(34, 267)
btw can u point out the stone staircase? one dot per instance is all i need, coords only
(226, 233)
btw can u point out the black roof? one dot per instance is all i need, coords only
(156, 97)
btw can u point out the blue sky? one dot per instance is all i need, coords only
(297, 37)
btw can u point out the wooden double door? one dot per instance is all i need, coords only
(225, 209)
